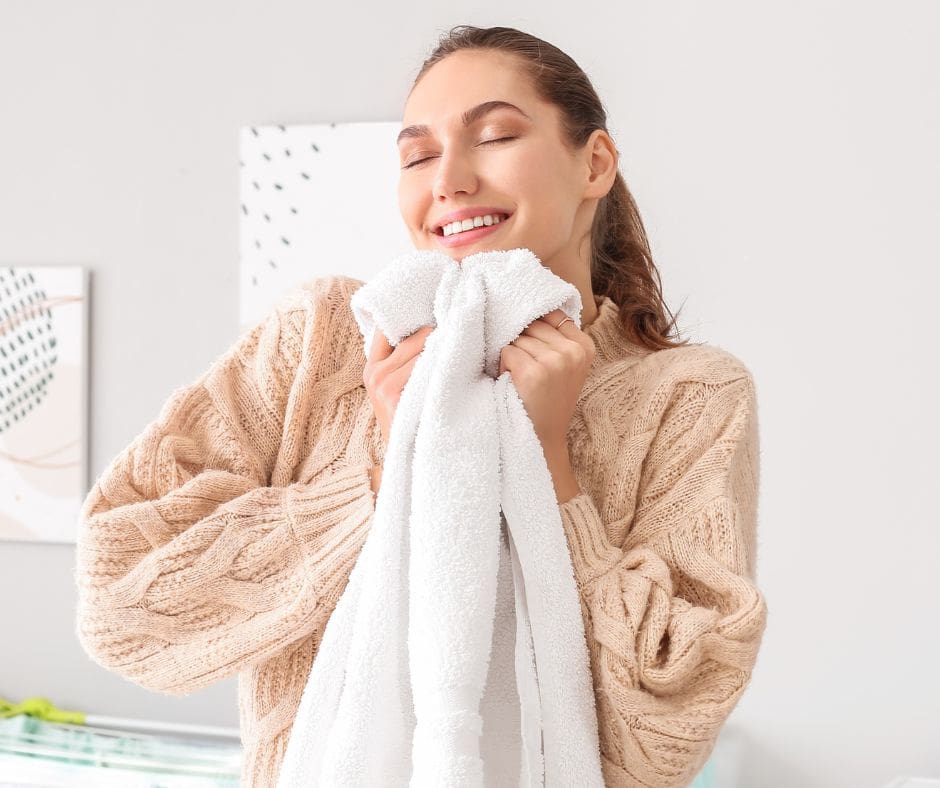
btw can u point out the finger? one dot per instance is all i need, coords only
(543, 330)
(423, 332)
(406, 350)
(402, 374)
(548, 319)
(516, 358)
(414, 343)
(554, 328)
(539, 345)
(508, 357)
(380, 349)
(555, 317)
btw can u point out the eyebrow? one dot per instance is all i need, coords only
(470, 116)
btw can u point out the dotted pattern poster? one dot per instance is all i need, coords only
(315, 200)
(43, 389)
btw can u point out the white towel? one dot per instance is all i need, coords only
(464, 476)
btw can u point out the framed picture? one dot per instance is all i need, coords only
(43, 401)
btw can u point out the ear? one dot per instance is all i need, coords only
(602, 160)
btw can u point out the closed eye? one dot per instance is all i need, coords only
(415, 163)
(485, 142)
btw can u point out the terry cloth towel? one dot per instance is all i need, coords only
(395, 695)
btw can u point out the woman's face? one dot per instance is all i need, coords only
(504, 161)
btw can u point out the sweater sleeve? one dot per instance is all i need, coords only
(190, 563)
(675, 615)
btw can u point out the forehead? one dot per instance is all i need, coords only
(463, 80)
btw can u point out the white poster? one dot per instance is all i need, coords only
(316, 200)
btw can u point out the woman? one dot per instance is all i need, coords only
(219, 541)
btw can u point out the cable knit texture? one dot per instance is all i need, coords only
(219, 541)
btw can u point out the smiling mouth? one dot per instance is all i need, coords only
(440, 230)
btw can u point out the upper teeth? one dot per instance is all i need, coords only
(469, 224)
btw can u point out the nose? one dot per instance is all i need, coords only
(454, 174)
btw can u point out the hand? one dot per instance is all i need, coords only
(387, 371)
(549, 366)
(375, 477)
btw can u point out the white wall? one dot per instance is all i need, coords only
(784, 157)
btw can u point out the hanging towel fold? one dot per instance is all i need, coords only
(394, 694)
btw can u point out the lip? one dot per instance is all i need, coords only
(470, 236)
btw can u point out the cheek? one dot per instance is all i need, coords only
(536, 178)
(409, 205)
(543, 193)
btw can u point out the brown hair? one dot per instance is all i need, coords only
(621, 262)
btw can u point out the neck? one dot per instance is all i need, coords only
(589, 310)
(580, 277)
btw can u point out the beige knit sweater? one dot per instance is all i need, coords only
(218, 542)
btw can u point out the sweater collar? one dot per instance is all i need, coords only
(610, 342)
